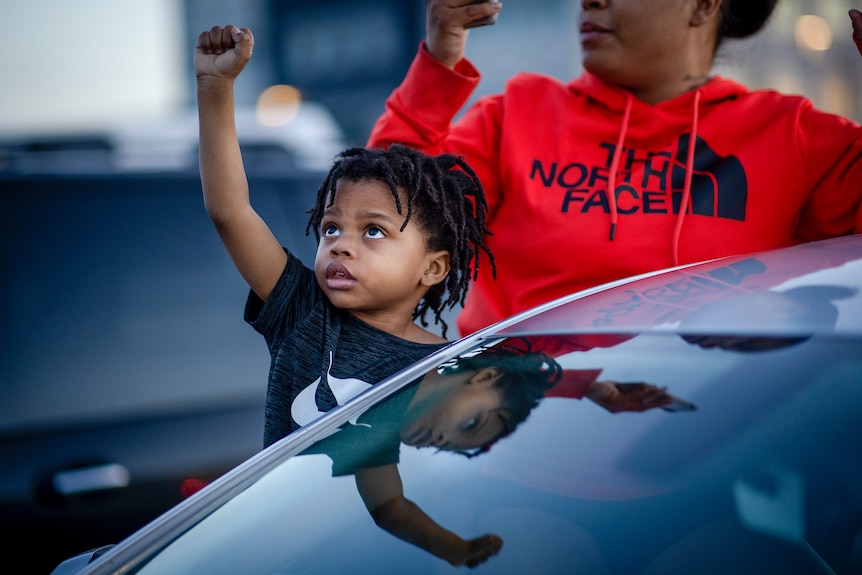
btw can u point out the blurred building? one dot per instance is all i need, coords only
(806, 49)
(349, 54)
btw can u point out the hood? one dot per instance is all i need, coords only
(685, 105)
(715, 90)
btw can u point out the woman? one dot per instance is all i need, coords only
(646, 119)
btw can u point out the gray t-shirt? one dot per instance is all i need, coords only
(321, 356)
(374, 439)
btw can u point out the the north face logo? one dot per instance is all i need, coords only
(651, 182)
(718, 185)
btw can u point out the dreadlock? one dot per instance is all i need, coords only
(527, 374)
(444, 198)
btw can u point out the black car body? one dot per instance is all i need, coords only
(758, 468)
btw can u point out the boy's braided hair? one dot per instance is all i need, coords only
(444, 198)
(526, 375)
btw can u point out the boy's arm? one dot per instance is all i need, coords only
(220, 55)
(383, 494)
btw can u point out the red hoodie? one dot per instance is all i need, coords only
(767, 170)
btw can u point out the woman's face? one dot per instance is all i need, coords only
(455, 412)
(636, 43)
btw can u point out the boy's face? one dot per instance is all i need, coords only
(455, 412)
(365, 263)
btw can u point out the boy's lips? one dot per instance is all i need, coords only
(337, 276)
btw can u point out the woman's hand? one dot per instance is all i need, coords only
(618, 397)
(856, 20)
(447, 23)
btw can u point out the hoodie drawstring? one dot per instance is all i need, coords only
(686, 190)
(615, 162)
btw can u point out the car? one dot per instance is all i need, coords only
(128, 378)
(699, 419)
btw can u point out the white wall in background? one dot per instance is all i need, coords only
(90, 62)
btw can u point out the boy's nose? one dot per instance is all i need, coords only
(341, 246)
(337, 251)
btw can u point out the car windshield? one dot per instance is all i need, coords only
(567, 486)
(803, 289)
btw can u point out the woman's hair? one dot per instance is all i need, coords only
(444, 198)
(743, 18)
(526, 376)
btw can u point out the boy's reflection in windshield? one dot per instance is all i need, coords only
(470, 402)
(464, 406)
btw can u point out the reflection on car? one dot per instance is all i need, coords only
(703, 419)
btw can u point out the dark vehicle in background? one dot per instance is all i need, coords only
(757, 468)
(128, 378)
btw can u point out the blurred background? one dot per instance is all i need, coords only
(128, 378)
(94, 63)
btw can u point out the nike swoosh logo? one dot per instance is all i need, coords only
(304, 409)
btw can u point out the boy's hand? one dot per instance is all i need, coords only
(222, 53)
(477, 551)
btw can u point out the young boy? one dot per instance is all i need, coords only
(396, 230)
(464, 406)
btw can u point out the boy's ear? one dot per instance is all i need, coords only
(487, 375)
(437, 268)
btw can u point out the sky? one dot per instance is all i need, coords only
(90, 62)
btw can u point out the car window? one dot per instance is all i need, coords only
(119, 300)
(761, 475)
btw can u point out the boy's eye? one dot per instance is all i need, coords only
(471, 424)
(328, 230)
(374, 233)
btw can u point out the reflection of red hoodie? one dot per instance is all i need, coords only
(668, 298)
(766, 170)
(665, 298)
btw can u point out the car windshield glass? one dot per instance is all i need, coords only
(800, 289)
(562, 481)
